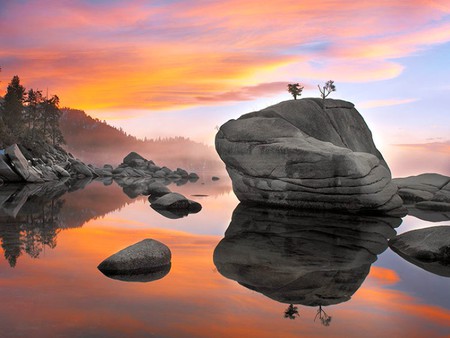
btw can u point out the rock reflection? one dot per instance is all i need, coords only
(297, 257)
(141, 277)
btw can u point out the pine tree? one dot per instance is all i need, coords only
(13, 106)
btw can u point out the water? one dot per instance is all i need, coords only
(53, 240)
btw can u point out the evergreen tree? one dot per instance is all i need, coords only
(33, 111)
(52, 115)
(13, 106)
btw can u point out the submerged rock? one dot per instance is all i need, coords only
(297, 154)
(428, 248)
(144, 257)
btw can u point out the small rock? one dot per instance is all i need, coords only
(159, 174)
(143, 257)
(193, 177)
(176, 201)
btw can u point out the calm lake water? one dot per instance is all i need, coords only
(337, 271)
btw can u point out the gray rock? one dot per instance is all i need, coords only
(108, 167)
(132, 156)
(428, 248)
(21, 165)
(174, 200)
(433, 205)
(183, 173)
(426, 191)
(60, 171)
(78, 168)
(137, 163)
(193, 177)
(157, 189)
(143, 257)
(296, 154)
(6, 172)
(159, 174)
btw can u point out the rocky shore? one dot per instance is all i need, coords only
(19, 164)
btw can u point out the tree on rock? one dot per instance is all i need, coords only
(295, 89)
(327, 90)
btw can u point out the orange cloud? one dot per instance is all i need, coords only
(98, 55)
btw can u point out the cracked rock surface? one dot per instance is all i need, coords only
(297, 154)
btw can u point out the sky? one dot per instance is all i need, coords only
(167, 68)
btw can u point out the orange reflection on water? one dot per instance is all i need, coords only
(383, 275)
(63, 293)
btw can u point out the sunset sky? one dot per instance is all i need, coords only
(166, 68)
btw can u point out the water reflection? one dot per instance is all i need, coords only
(32, 215)
(140, 277)
(297, 257)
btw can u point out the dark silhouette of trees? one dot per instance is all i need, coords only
(326, 90)
(13, 105)
(291, 312)
(295, 89)
(52, 114)
(28, 116)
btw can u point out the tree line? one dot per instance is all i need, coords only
(29, 116)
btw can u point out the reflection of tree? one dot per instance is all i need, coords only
(30, 233)
(32, 215)
(291, 312)
(324, 318)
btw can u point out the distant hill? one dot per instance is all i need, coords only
(94, 141)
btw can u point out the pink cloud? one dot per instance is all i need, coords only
(103, 56)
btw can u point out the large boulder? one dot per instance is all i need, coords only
(21, 165)
(428, 248)
(6, 172)
(298, 154)
(144, 257)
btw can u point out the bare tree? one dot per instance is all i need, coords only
(326, 90)
(324, 318)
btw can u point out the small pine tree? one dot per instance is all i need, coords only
(295, 89)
